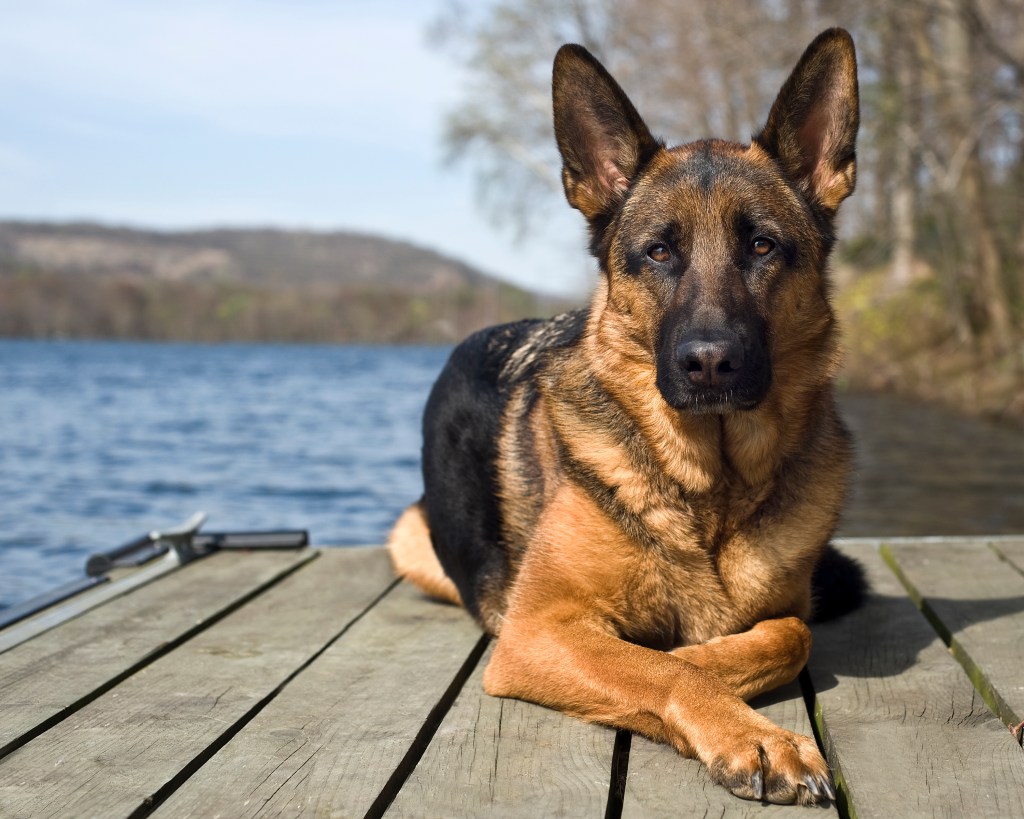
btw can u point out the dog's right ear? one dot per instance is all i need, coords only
(603, 140)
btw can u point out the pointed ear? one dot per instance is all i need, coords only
(812, 128)
(603, 141)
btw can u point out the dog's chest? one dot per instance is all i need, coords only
(712, 574)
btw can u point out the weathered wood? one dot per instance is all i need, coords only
(48, 677)
(905, 732)
(976, 603)
(499, 757)
(325, 694)
(662, 783)
(330, 742)
(151, 730)
(1011, 550)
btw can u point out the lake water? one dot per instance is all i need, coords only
(102, 442)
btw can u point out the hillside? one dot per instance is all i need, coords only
(92, 281)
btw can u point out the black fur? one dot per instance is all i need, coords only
(838, 585)
(461, 427)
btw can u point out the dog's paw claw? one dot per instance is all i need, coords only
(783, 768)
(757, 785)
(819, 791)
(812, 785)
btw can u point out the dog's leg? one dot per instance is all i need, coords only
(558, 647)
(413, 556)
(577, 667)
(753, 662)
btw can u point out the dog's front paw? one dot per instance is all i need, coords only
(776, 766)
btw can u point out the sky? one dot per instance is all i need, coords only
(302, 114)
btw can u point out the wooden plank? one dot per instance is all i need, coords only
(904, 731)
(976, 603)
(499, 757)
(331, 741)
(48, 677)
(1011, 550)
(134, 743)
(660, 782)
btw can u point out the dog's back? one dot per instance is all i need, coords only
(466, 417)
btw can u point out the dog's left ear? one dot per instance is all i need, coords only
(812, 128)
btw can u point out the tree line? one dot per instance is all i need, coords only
(94, 281)
(40, 304)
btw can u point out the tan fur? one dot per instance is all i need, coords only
(686, 446)
(414, 559)
(557, 648)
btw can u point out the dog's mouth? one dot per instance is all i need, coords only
(697, 402)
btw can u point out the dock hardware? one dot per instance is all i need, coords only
(177, 545)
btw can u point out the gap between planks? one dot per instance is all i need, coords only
(905, 732)
(180, 705)
(976, 607)
(106, 645)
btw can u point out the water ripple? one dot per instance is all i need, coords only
(103, 441)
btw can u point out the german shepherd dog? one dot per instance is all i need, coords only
(633, 498)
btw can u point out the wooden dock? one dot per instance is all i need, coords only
(311, 683)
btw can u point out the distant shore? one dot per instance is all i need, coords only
(43, 305)
(904, 342)
(94, 281)
(83, 281)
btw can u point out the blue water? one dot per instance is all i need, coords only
(101, 442)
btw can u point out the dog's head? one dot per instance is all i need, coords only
(714, 252)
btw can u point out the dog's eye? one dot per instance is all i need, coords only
(762, 245)
(659, 252)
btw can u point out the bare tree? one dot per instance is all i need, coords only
(694, 68)
(941, 171)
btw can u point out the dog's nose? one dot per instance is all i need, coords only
(710, 363)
